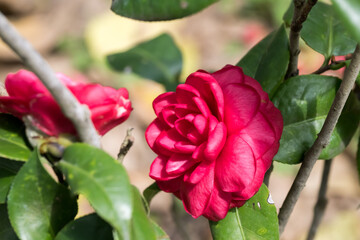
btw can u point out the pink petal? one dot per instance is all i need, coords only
(236, 165)
(209, 90)
(164, 100)
(200, 123)
(14, 105)
(229, 75)
(259, 134)
(196, 196)
(153, 131)
(171, 186)
(202, 106)
(158, 170)
(215, 142)
(218, 205)
(29, 82)
(241, 104)
(251, 189)
(183, 126)
(168, 139)
(198, 173)
(185, 147)
(168, 116)
(185, 92)
(179, 163)
(46, 116)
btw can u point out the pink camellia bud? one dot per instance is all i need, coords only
(215, 138)
(28, 98)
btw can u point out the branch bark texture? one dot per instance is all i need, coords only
(321, 203)
(301, 11)
(78, 114)
(322, 141)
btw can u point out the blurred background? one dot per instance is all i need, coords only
(75, 36)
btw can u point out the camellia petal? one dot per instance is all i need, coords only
(29, 98)
(215, 155)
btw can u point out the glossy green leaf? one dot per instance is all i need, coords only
(325, 33)
(287, 18)
(150, 192)
(156, 10)
(349, 13)
(304, 102)
(89, 227)
(8, 170)
(38, 206)
(103, 181)
(6, 178)
(13, 143)
(256, 219)
(267, 62)
(158, 59)
(160, 233)
(6, 230)
(141, 225)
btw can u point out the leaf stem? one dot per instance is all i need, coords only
(268, 174)
(78, 114)
(334, 65)
(321, 202)
(322, 141)
(301, 12)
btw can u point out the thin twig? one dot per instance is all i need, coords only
(321, 203)
(126, 145)
(301, 12)
(334, 65)
(322, 141)
(78, 114)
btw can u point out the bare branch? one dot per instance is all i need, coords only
(126, 144)
(321, 203)
(78, 114)
(322, 141)
(301, 12)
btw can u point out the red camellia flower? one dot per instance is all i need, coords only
(215, 138)
(29, 98)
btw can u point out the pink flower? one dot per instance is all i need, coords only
(215, 138)
(29, 98)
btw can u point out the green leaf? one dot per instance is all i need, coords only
(8, 170)
(256, 219)
(160, 233)
(157, 10)
(349, 13)
(267, 62)
(13, 143)
(158, 59)
(287, 18)
(38, 206)
(103, 181)
(141, 225)
(304, 102)
(325, 33)
(89, 227)
(150, 192)
(6, 231)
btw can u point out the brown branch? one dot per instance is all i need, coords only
(301, 12)
(126, 145)
(321, 203)
(322, 141)
(78, 114)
